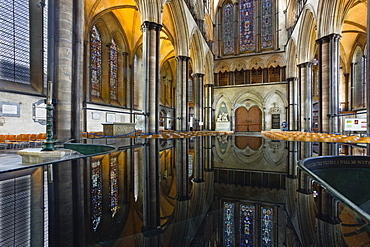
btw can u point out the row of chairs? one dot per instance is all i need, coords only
(22, 140)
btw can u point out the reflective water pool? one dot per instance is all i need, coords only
(206, 191)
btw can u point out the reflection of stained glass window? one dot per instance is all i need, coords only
(96, 62)
(113, 176)
(247, 25)
(228, 29)
(113, 71)
(96, 193)
(266, 226)
(266, 25)
(246, 225)
(228, 224)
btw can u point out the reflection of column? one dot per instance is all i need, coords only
(182, 106)
(198, 100)
(329, 83)
(151, 203)
(37, 212)
(151, 45)
(208, 155)
(182, 169)
(368, 74)
(198, 166)
(293, 103)
(306, 83)
(328, 207)
(208, 98)
(61, 206)
(293, 159)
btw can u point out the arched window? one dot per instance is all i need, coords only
(228, 29)
(256, 75)
(246, 26)
(113, 71)
(358, 80)
(95, 63)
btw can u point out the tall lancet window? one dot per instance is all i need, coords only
(228, 28)
(96, 193)
(113, 70)
(95, 63)
(113, 176)
(267, 25)
(247, 35)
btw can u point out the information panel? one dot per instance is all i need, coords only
(355, 124)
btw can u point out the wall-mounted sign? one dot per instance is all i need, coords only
(355, 124)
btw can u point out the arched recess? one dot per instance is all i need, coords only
(307, 37)
(248, 120)
(197, 52)
(275, 106)
(292, 69)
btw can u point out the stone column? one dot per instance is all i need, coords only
(37, 209)
(208, 113)
(306, 83)
(368, 73)
(182, 105)
(293, 103)
(151, 45)
(329, 83)
(60, 65)
(198, 101)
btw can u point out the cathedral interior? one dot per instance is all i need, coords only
(184, 123)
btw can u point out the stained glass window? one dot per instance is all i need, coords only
(136, 90)
(228, 29)
(96, 193)
(113, 178)
(113, 70)
(266, 226)
(247, 225)
(247, 42)
(266, 25)
(96, 62)
(228, 224)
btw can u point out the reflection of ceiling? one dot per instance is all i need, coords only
(353, 29)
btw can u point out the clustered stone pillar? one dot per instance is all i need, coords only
(182, 106)
(368, 73)
(208, 99)
(198, 165)
(293, 103)
(198, 101)
(329, 83)
(151, 45)
(305, 75)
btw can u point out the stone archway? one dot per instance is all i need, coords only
(248, 120)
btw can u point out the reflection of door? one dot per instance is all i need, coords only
(248, 120)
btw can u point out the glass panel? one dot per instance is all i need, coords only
(96, 62)
(266, 26)
(247, 225)
(96, 193)
(247, 42)
(228, 29)
(266, 226)
(113, 71)
(15, 41)
(228, 224)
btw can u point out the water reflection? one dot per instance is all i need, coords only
(205, 191)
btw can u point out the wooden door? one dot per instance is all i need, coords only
(248, 120)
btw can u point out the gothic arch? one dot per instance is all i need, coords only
(256, 63)
(244, 96)
(279, 94)
(222, 67)
(196, 52)
(291, 59)
(238, 65)
(275, 61)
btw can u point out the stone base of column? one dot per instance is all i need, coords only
(33, 156)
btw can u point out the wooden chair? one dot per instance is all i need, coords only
(3, 142)
(24, 140)
(11, 140)
(34, 142)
